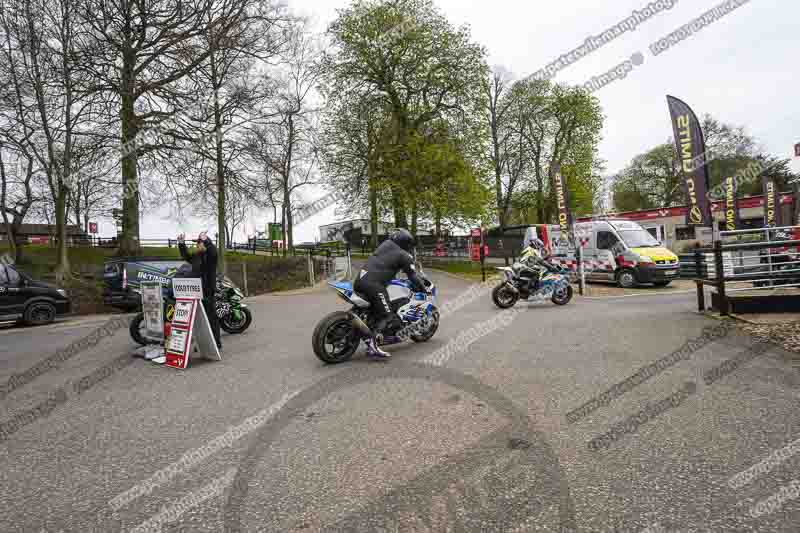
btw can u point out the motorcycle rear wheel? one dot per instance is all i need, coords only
(233, 327)
(335, 339)
(503, 297)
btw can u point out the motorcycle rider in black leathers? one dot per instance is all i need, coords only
(392, 256)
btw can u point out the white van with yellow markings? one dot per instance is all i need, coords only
(614, 250)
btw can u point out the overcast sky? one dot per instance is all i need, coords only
(742, 69)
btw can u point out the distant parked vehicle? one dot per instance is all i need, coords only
(28, 301)
(123, 277)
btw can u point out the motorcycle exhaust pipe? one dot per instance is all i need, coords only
(361, 326)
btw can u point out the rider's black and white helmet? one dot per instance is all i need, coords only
(537, 244)
(403, 238)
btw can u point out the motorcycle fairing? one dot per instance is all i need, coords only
(345, 290)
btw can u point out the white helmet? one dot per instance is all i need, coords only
(536, 243)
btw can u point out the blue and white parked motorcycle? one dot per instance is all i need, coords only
(337, 336)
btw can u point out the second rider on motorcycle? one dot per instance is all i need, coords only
(392, 256)
(532, 258)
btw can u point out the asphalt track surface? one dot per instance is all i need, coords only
(270, 439)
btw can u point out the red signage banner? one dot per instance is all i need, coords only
(179, 344)
(93, 227)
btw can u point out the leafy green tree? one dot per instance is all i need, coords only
(423, 68)
(547, 125)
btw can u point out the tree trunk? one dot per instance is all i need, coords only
(400, 220)
(414, 218)
(11, 235)
(62, 269)
(287, 197)
(221, 227)
(288, 220)
(498, 174)
(129, 241)
(12, 241)
(373, 213)
(65, 171)
(283, 229)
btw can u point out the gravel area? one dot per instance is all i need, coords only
(782, 330)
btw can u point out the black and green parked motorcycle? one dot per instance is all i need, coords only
(234, 316)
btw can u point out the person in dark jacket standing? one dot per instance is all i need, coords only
(204, 266)
(392, 256)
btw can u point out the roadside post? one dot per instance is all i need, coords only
(581, 281)
(190, 331)
(476, 250)
(483, 262)
(310, 269)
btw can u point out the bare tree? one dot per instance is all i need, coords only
(41, 52)
(17, 195)
(498, 106)
(285, 145)
(139, 54)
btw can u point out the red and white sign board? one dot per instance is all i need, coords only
(179, 347)
(93, 227)
(190, 330)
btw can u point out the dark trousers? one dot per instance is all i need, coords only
(210, 305)
(376, 294)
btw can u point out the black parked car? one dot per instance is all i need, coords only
(29, 301)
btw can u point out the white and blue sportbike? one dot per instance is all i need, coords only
(553, 284)
(337, 336)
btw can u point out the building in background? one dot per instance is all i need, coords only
(358, 229)
(667, 224)
(44, 234)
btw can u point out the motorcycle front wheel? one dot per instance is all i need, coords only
(136, 328)
(427, 327)
(232, 326)
(562, 295)
(335, 339)
(503, 297)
